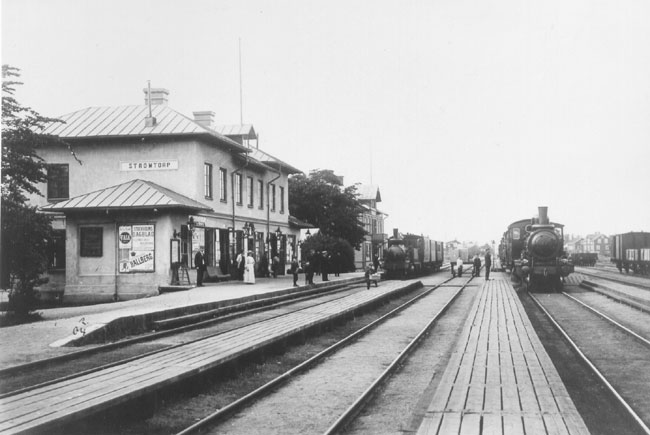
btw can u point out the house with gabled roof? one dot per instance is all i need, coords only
(373, 221)
(146, 188)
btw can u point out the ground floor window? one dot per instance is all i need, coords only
(91, 241)
(56, 250)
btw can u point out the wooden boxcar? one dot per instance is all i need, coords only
(631, 251)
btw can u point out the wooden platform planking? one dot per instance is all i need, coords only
(69, 400)
(500, 380)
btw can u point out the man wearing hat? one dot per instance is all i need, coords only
(201, 266)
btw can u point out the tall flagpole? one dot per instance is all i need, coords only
(241, 103)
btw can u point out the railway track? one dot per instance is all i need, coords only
(350, 373)
(22, 378)
(613, 341)
(615, 276)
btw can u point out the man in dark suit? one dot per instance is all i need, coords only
(201, 266)
(488, 265)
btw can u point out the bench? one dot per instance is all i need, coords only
(213, 274)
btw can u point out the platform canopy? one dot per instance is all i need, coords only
(135, 194)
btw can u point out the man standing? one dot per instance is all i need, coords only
(488, 264)
(477, 266)
(295, 266)
(459, 266)
(201, 266)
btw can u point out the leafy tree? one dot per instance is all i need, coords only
(25, 231)
(339, 249)
(323, 201)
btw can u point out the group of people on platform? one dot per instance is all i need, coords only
(320, 263)
(476, 263)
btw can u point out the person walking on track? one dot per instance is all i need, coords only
(459, 266)
(477, 266)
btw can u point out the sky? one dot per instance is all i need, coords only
(467, 115)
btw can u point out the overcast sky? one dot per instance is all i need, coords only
(468, 115)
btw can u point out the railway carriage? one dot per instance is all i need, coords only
(631, 251)
(533, 251)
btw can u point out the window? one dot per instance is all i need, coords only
(272, 197)
(58, 181)
(207, 180)
(281, 199)
(56, 250)
(249, 188)
(223, 185)
(91, 241)
(260, 185)
(239, 193)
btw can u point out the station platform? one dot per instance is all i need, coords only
(51, 405)
(500, 380)
(53, 336)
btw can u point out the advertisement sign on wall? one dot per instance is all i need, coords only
(136, 248)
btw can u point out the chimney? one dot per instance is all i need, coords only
(543, 215)
(204, 118)
(395, 233)
(159, 96)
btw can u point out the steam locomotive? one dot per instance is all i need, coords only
(410, 255)
(533, 250)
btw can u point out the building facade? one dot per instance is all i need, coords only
(373, 221)
(147, 187)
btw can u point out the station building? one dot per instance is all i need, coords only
(143, 187)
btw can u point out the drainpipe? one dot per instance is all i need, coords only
(268, 210)
(232, 189)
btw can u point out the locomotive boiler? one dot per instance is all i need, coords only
(409, 255)
(533, 250)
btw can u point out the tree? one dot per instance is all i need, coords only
(340, 250)
(25, 231)
(321, 200)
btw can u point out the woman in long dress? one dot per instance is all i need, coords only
(249, 269)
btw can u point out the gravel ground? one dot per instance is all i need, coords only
(313, 401)
(403, 401)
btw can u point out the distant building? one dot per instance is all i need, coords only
(592, 244)
(373, 221)
(154, 187)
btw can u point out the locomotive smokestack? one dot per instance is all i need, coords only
(395, 233)
(543, 215)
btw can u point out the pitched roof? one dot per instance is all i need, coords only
(125, 121)
(274, 162)
(245, 130)
(369, 192)
(135, 194)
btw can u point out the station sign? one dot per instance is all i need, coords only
(149, 165)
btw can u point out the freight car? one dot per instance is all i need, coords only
(410, 255)
(533, 251)
(631, 251)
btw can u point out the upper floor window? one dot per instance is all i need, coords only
(207, 180)
(272, 197)
(58, 181)
(223, 185)
(249, 189)
(239, 193)
(260, 185)
(281, 199)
